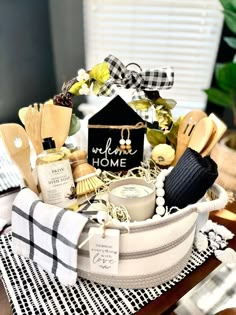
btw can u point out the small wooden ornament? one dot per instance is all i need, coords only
(84, 174)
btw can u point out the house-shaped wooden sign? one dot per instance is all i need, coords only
(116, 137)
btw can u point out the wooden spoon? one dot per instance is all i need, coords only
(219, 130)
(201, 134)
(32, 122)
(17, 145)
(56, 123)
(185, 130)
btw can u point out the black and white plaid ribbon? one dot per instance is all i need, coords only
(148, 80)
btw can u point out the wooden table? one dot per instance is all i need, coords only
(166, 303)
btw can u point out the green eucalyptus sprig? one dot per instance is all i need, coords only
(165, 129)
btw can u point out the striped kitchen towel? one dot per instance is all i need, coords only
(10, 176)
(47, 234)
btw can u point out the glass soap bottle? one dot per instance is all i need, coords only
(55, 177)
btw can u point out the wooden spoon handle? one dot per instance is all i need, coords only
(181, 147)
(219, 130)
(29, 180)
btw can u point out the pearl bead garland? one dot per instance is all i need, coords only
(160, 192)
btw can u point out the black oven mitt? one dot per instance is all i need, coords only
(189, 180)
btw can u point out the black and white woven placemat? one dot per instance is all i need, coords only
(33, 291)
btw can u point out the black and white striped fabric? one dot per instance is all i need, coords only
(47, 234)
(189, 180)
(33, 291)
(150, 80)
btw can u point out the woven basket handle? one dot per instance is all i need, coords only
(219, 203)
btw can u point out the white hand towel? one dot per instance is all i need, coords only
(47, 234)
(3, 225)
(6, 202)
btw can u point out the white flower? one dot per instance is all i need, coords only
(84, 90)
(82, 75)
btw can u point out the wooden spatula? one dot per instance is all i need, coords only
(201, 134)
(219, 129)
(32, 122)
(56, 123)
(17, 145)
(185, 130)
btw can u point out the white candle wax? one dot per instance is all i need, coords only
(131, 191)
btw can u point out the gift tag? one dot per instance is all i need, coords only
(104, 251)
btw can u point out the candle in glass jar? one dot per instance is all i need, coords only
(136, 195)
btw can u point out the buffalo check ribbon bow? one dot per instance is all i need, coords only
(149, 80)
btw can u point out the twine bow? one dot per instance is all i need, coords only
(149, 80)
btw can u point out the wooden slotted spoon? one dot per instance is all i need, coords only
(219, 129)
(201, 134)
(56, 123)
(33, 121)
(17, 145)
(185, 130)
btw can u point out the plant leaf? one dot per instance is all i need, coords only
(155, 137)
(231, 41)
(100, 72)
(219, 97)
(230, 18)
(74, 125)
(173, 133)
(76, 87)
(96, 87)
(229, 5)
(226, 76)
(218, 68)
(167, 102)
(142, 104)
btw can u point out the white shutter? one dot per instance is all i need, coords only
(182, 33)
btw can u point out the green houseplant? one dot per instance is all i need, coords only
(225, 73)
(224, 95)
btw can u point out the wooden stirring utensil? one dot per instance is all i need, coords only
(201, 134)
(17, 145)
(32, 122)
(185, 130)
(219, 129)
(56, 123)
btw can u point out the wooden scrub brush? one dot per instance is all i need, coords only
(84, 174)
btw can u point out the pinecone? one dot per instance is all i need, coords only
(63, 99)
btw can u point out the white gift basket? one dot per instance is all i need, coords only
(156, 250)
